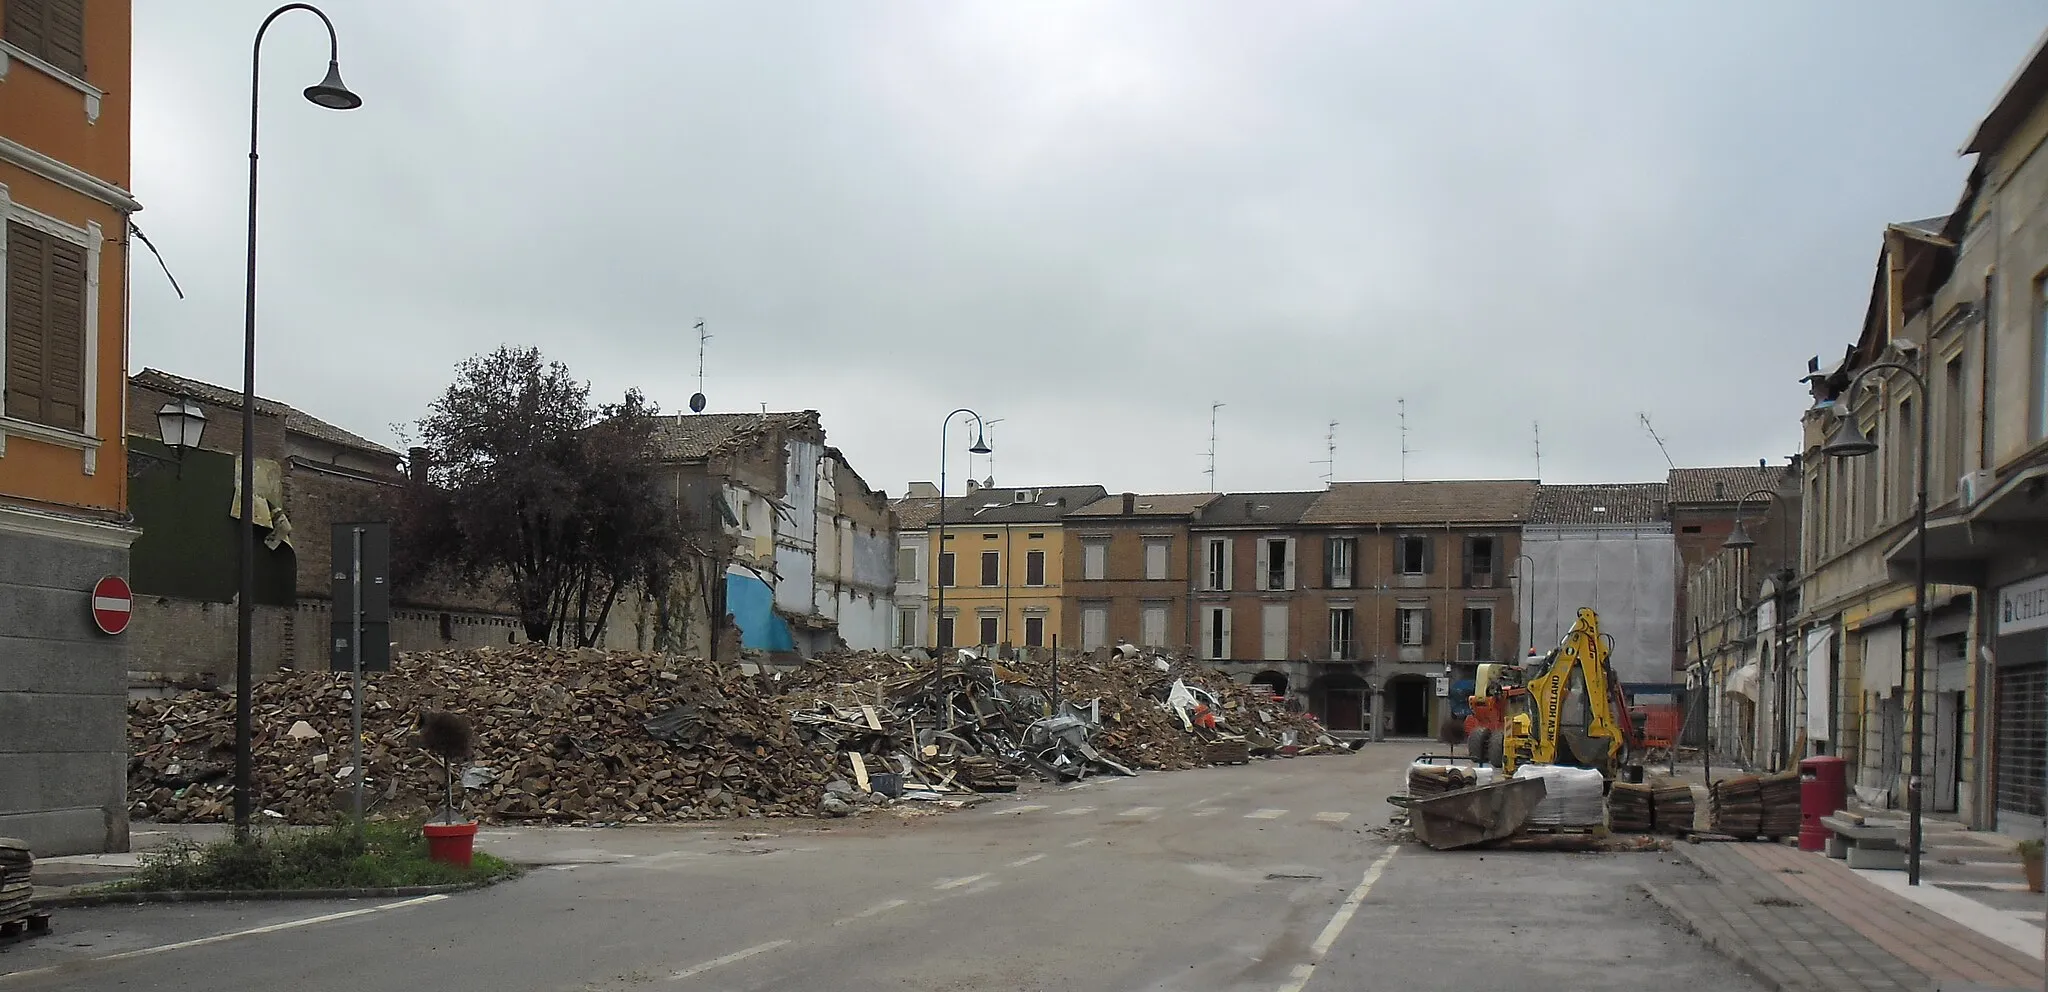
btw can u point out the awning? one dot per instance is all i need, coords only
(1742, 682)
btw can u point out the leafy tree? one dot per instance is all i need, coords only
(531, 485)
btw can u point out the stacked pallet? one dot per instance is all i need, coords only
(1781, 805)
(1630, 808)
(1736, 806)
(15, 866)
(1426, 780)
(1229, 752)
(1673, 806)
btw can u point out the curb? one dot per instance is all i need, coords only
(80, 900)
(1727, 946)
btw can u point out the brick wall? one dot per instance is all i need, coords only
(1125, 590)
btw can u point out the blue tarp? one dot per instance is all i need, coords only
(752, 605)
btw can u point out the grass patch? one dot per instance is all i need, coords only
(385, 855)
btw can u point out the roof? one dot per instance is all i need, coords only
(691, 436)
(1142, 505)
(2018, 99)
(1621, 504)
(1489, 501)
(1257, 509)
(1925, 227)
(999, 505)
(1721, 485)
(295, 420)
(915, 512)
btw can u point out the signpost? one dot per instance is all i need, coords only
(112, 604)
(362, 622)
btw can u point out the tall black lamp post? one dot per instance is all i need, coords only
(1849, 442)
(979, 447)
(1739, 540)
(1529, 585)
(333, 95)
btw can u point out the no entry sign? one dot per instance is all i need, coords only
(112, 603)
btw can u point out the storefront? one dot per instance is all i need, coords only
(2019, 756)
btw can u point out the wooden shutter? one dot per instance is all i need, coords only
(25, 25)
(1292, 560)
(51, 30)
(64, 376)
(26, 356)
(46, 288)
(1260, 576)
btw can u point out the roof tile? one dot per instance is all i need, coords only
(1458, 501)
(1722, 485)
(294, 419)
(1619, 503)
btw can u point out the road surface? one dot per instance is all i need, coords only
(1268, 876)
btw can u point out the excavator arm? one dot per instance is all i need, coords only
(1570, 714)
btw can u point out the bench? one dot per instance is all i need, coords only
(1863, 845)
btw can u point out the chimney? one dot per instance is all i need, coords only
(972, 485)
(921, 490)
(1248, 505)
(417, 461)
(1130, 503)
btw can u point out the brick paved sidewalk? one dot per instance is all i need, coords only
(1803, 922)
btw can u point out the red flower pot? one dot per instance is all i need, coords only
(451, 843)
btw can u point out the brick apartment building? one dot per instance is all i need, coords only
(1702, 505)
(1128, 562)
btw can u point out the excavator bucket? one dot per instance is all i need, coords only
(1476, 815)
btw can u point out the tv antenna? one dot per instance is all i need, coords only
(988, 435)
(1211, 471)
(697, 398)
(1536, 437)
(1402, 402)
(1330, 446)
(1644, 419)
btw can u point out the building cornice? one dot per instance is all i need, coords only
(67, 175)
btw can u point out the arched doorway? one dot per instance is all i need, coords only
(1408, 706)
(1275, 681)
(1340, 699)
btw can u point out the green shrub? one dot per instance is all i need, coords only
(2030, 850)
(384, 855)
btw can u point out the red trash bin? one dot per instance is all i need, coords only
(1823, 791)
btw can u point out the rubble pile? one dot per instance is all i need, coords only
(561, 734)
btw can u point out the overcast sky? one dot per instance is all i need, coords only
(1089, 220)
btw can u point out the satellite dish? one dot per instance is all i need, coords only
(696, 402)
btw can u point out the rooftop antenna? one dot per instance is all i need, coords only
(988, 433)
(1402, 402)
(1644, 419)
(1211, 471)
(1330, 445)
(1536, 436)
(697, 398)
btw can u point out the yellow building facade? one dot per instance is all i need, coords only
(998, 565)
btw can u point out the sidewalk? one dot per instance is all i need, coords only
(1800, 921)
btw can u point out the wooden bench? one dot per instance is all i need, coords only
(1863, 845)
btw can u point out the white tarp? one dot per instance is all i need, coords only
(1883, 650)
(1572, 797)
(1625, 574)
(1818, 688)
(1742, 682)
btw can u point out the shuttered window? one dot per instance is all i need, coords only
(51, 30)
(45, 378)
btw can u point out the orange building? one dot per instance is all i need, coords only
(64, 123)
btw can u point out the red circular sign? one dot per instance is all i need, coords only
(112, 604)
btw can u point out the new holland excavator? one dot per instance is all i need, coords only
(1565, 708)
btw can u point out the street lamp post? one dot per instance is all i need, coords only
(1529, 586)
(979, 447)
(1739, 540)
(1850, 442)
(330, 93)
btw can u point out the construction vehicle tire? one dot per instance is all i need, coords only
(1480, 744)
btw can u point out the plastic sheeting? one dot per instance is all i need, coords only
(1884, 651)
(1742, 682)
(1626, 574)
(1573, 797)
(1819, 649)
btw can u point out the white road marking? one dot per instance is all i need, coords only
(561, 867)
(1031, 808)
(1207, 811)
(1331, 930)
(874, 910)
(1083, 842)
(1332, 817)
(1021, 862)
(954, 883)
(695, 970)
(1077, 811)
(1265, 814)
(272, 928)
(1140, 811)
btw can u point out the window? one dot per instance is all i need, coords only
(1689, 529)
(1034, 631)
(1338, 555)
(1479, 562)
(1273, 631)
(1414, 621)
(46, 334)
(1954, 413)
(946, 569)
(1036, 535)
(1152, 625)
(909, 628)
(1276, 563)
(1094, 627)
(906, 564)
(1343, 621)
(51, 30)
(1414, 555)
(1095, 559)
(991, 568)
(1034, 568)
(1475, 640)
(1216, 633)
(990, 634)
(1155, 558)
(1216, 564)
(945, 632)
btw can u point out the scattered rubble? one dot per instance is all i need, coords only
(575, 735)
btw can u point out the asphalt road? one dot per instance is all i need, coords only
(1267, 876)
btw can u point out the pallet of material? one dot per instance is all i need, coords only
(1630, 808)
(1673, 809)
(1780, 796)
(1735, 806)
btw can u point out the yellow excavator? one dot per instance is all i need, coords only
(1565, 708)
